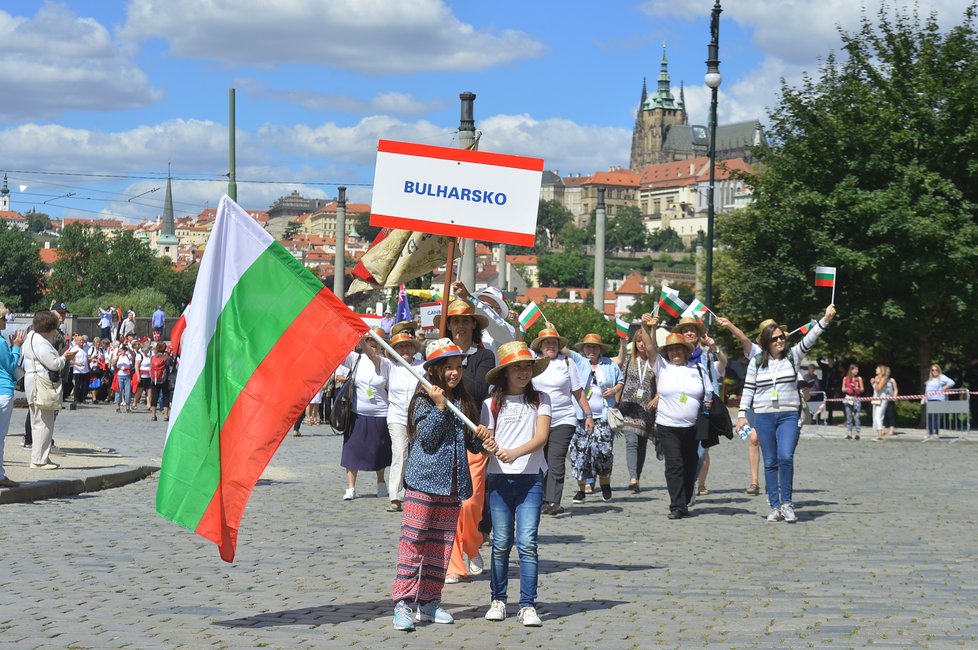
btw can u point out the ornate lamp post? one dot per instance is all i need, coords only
(712, 80)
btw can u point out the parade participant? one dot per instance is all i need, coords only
(124, 364)
(401, 386)
(592, 454)
(771, 388)
(682, 388)
(518, 418)
(9, 362)
(465, 327)
(159, 375)
(562, 382)
(934, 389)
(41, 359)
(491, 304)
(884, 411)
(140, 375)
(437, 479)
(852, 388)
(637, 402)
(367, 442)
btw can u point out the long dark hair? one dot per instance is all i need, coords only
(767, 337)
(530, 395)
(436, 375)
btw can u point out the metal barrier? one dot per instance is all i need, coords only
(952, 415)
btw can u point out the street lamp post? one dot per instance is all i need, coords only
(712, 80)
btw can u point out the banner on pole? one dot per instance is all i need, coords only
(456, 192)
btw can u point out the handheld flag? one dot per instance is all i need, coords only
(669, 301)
(696, 310)
(621, 328)
(825, 277)
(263, 336)
(529, 316)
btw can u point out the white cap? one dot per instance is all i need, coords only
(496, 296)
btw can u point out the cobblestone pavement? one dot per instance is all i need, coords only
(883, 555)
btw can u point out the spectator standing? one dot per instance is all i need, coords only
(159, 323)
(9, 362)
(81, 368)
(852, 387)
(41, 356)
(105, 322)
(884, 408)
(128, 327)
(934, 389)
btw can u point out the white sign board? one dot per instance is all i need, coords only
(456, 192)
(428, 311)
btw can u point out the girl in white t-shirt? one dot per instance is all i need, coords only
(518, 417)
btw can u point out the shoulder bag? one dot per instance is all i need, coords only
(343, 399)
(46, 395)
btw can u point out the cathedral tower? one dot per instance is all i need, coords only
(656, 113)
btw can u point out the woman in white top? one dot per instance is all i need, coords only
(518, 419)
(124, 363)
(40, 357)
(884, 390)
(562, 382)
(401, 386)
(367, 444)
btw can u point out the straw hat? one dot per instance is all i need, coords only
(673, 340)
(495, 295)
(548, 333)
(462, 308)
(404, 326)
(764, 323)
(405, 337)
(592, 339)
(683, 322)
(379, 331)
(440, 349)
(514, 352)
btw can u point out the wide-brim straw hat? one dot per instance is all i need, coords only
(760, 328)
(592, 339)
(462, 308)
(439, 349)
(673, 340)
(683, 322)
(405, 337)
(404, 326)
(510, 353)
(548, 333)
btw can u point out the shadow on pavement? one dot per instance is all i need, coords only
(556, 566)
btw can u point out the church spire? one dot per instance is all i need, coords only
(5, 195)
(682, 98)
(167, 230)
(663, 95)
(641, 103)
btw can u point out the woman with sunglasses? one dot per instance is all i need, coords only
(771, 387)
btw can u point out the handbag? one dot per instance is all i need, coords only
(343, 399)
(615, 419)
(46, 395)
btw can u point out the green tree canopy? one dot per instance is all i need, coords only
(364, 229)
(37, 221)
(574, 320)
(20, 269)
(626, 231)
(568, 269)
(666, 239)
(873, 169)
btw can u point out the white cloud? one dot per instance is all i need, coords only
(393, 103)
(376, 36)
(57, 62)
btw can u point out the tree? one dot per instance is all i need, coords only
(20, 268)
(291, 230)
(627, 231)
(364, 229)
(567, 269)
(873, 170)
(552, 217)
(666, 239)
(573, 238)
(574, 320)
(37, 222)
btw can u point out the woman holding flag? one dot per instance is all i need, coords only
(771, 388)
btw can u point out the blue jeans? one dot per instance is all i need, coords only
(125, 389)
(778, 435)
(515, 497)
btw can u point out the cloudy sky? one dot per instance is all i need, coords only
(98, 97)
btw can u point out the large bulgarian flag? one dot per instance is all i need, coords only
(669, 301)
(263, 336)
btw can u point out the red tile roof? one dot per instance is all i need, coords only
(624, 178)
(525, 260)
(48, 256)
(633, 284)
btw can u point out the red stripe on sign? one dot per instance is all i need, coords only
(296, 367)
(460, 155)
(453, 230)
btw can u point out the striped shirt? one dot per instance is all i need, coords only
(774, 389)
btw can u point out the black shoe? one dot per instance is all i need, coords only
(606, 493)
(579, 496)
(634, 487)
(677, 514)
(547, 509)
(556, 510)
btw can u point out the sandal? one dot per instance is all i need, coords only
(754, 489)
(395, 506)
(702, 492)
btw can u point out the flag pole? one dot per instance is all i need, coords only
(834, 280)
(449, 266)
(414, 371)
(658, 299)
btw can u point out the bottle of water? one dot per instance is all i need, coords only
(745, 431)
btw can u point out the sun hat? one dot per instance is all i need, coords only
(592, 339)
(404, 326)
(495, 295)
(440, 349)
(463, 308)
(675, 339)
(683, 322)
(548, 333)
(514, 352)
(764, 324)
(404, 337)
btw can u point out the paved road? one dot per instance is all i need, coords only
(884, 555)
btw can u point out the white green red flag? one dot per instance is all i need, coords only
(621, 327)
(825, 276)
(529, 316)
(696, 310)
(807, 327)
(263, 336)
(669, 301)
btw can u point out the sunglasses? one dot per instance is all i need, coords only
(779, 337)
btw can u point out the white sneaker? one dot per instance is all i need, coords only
(788, 512)
(528, 617)
(476, 565)
(775, 514)
(350, 494)
(497, 611)
(382, 490)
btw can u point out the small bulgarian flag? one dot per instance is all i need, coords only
(529, 316)
(669, 300)
(262, 338)
(807, 327)
(621, 327)
(825, 276)
(696, 310)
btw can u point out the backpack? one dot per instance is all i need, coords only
(157, 369)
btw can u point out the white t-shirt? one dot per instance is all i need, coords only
(516, 426)
(680, 394)
(401, 385)
(371, 386)
(601, 382)
(559, 381)
(80, 363)
(124, 365)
